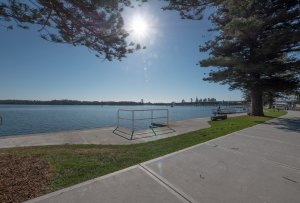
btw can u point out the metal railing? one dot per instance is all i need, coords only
(133, 119)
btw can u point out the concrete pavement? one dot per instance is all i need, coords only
(129, 185)
(257, 164)
(104, 135)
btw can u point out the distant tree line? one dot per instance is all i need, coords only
(76, 102)
(209, 101)
(67, 102)
(200, 100)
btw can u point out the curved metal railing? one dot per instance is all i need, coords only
(150, 117)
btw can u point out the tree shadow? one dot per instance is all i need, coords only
(287, 124)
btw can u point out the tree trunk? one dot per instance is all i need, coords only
(271, 102)
(270, 97)
(256, 102)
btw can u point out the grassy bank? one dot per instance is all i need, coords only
(71, 164)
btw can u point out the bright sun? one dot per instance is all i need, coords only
(139, 26)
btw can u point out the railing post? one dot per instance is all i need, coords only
(118, 123)
(118, 118)
(167, 117)
(151, 116)
(132, 127)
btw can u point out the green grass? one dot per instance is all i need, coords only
(72, 164)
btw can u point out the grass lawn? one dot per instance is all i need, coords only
(72, 164)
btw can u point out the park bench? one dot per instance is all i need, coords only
(216, 117)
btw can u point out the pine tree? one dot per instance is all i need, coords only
(255, 46)
(96, 24)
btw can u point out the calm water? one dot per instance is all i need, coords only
(28, 119)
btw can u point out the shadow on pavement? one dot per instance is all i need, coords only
(143, 134)
(288, 124)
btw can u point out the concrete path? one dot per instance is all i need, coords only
(258, 164)
(104, 135)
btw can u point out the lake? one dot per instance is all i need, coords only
(29, 119)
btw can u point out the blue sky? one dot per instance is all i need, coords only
(32, 68)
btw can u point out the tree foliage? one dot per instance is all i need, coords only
(256, 44)
(96, 24)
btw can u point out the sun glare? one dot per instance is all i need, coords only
(139, 27)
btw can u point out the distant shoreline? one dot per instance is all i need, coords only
(114, 103)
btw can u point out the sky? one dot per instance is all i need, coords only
(34, 69)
